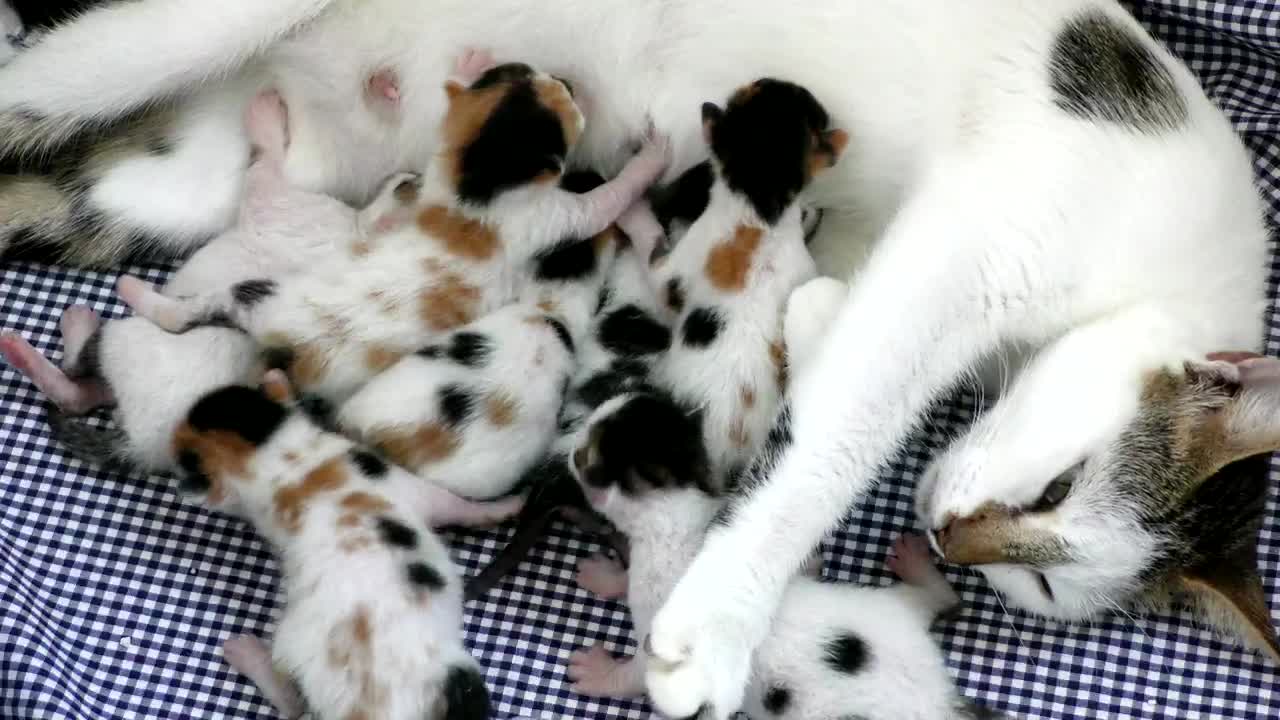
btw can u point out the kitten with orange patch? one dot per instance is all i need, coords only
(726, 283)
(486, 206)
(372, 618)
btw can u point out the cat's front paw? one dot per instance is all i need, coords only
(699, 659)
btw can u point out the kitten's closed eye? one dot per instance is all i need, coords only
(1057, 491)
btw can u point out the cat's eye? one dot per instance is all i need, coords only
(1057, 491)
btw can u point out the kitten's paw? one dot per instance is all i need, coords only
(699, 660)
(471, 64)
(595, 672)
(603, 577)
(167, 313)
(911, 559)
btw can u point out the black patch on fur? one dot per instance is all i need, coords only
(764, 141)
(456, 404)
(371, 466)
(630, 330)
(675, 294)
(512, 72)
(470, 349)
(521, 140)
(621, 377)
(430, 352)
(605, 297)
(568, 260)
(159, 146)
(252, 292)
(1102, 71)
(581, 181)
(562, 332)
(240, 410)
(425, 576)
(317, 409)
(465, 695)
(397, 534)
(88, 363)
(701, 327)
(193, 481)
(686, 198)
(846, 653)
(651, 441)
(777, 699)
(278, 358)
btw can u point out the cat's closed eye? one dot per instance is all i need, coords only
(1057, 491)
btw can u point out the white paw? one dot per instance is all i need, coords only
(699, 660)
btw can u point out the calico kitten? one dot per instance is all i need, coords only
(727, 280)
(487, 206)
(372, 620)
(152, 377)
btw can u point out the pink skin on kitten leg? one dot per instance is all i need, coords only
(251, 657)
(72, 396)
(603, 577)
(266, 122)
(442, 508)
(910, 559)
(77, 324)
(594, 672)
(167, 313)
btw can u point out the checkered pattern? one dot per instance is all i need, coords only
(114, 596)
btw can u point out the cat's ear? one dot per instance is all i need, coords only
(1248, 423)
(1227, 593)
(452, 89)
(828, 151)
(711, 114)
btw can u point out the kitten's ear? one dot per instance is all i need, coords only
(827, 150)
(275, 385)
(1249, 422)
(711, 114)
(1228, 594)
(452, 89)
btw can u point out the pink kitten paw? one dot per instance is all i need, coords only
(471, 64)
(266, 121)
(910, 560)
(603, 577)
(595, 672)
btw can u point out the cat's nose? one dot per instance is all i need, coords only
(938, 536)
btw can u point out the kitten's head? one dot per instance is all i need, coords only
(635, 443)
(769, 141)
(512, 126)
(1167, 507)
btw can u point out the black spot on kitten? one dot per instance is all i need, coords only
(397, 534)
(252, 292)
(562, 332)
(456, 404)
(318, 409)
(630, 330)
(371, 466)
(521, 140)
(607, 384)
(465, 695)
(606, 296)
(570, 259)
(675, 294)
(240, 410)
(846, 653)
(701, 327)
(581, 181)
(686, 198)
(278, 358)
(425, 576)
(764, 141)
(505, 73)
(649, 441)
(1100, 70)
(777, 699)
(469, 349)
(194, 480)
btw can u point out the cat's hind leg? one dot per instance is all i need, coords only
(923, 584)
(74, 397)
(251, 657)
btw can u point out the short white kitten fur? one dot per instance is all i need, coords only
(1035, 175)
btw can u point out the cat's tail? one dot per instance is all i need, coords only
(122, 58)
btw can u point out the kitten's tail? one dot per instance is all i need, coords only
(99, 445)
(123, 57)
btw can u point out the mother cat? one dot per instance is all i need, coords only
(1029, 175)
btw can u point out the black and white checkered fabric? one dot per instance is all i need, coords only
(115, 597)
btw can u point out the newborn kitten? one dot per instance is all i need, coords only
(476, 409)
(487, 205)
(153, 377)
(727, 280)
(372, 620)
(835, 650)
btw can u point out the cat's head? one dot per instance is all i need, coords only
(769, 141)
(514, 125)
(1167, 507)
(636, 443)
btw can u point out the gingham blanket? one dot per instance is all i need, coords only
(115, 597)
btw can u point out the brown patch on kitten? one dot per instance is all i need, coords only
(459, 234)
(468, 112)
(356, 543)
(380, 357)
(748, 397)
(430, 443)
(363, 503)
(309, 366)
(292, 458)
(449, 303)
(778, 354)
(738, 434)
(553, 94)
(222, 455)
(361, 247)
(406, 193)
(744, 93)
(291, 500)
(827, 148)
(500, 408)
(730, 261)
(602, 241)
(548, 306)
